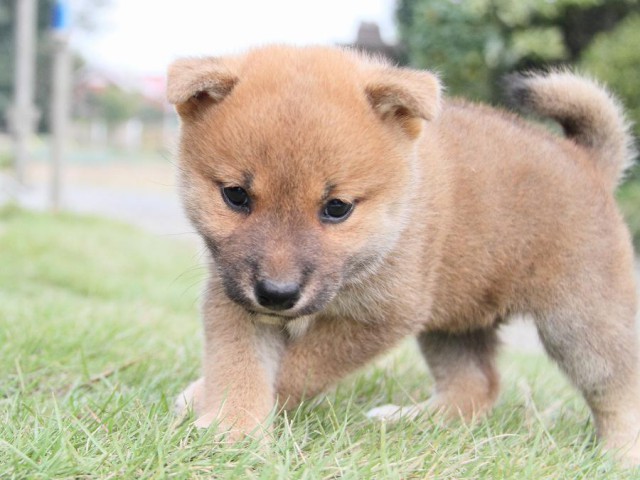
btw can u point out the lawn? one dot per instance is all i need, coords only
(99, 332)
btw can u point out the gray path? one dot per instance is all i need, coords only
(158, 212)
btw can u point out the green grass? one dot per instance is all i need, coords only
(99, 332)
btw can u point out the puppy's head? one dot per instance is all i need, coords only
(298, 167)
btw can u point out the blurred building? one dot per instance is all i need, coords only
(122, 111)
(369, 40)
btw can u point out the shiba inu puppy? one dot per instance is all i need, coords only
(346, 206)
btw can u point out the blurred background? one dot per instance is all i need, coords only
(84, 125)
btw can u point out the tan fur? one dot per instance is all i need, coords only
(464, 216)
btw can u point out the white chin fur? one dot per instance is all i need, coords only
(295, 327)
(298, 327)
(269, 320)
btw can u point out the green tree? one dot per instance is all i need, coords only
(473, 43)
(432, 34)
(114, 105)
(614, 58)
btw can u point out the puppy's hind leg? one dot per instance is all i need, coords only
(594, 340)
(466, 379)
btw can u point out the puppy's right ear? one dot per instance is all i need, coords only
(405, 96)
(193, 83)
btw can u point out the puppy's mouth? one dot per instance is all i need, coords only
(270, 318)
(282, 316)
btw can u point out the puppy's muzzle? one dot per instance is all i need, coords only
(277, 295)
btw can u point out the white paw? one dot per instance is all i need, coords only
(185, 400)
(395, 413)
(386, 413)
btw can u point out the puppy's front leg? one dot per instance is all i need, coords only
(330, 350)
(240, 364)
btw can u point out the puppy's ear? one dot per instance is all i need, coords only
(193, 83)
(405, 96)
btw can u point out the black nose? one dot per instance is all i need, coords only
(277, 295)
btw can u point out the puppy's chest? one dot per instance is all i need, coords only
(347, 308)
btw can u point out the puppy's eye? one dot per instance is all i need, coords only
(335, 211)
(237, 198)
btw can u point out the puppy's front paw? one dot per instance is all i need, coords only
(189, 398)
(395, 413)
(227, 433)
(387, 413)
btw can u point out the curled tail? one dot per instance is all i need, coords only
(587, 112)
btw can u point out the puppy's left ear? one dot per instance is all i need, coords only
(405, 96)
(195, 83)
